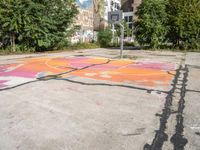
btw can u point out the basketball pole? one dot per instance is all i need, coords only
(115, 17)
(122, 40)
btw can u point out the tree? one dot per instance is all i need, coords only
(184, 23)
(128, 31)
(150, 28)
(105, 37)
(11, 20)
(36, 23)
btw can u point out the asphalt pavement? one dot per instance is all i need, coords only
(92, 100)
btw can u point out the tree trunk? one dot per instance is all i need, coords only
(12, 40)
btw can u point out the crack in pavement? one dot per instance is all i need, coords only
(54, 76)
(114, 85)
(58, 77)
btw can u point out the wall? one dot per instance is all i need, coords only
(131, 6)
(101, 9)
(135, 5)
(85, 20)
(93, 15)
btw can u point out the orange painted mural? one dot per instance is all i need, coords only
(143, 73)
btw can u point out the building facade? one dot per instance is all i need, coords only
(136, 3)
(93, 16)
(85, 21)
(111, 5)
(129, 8)
(102, 7)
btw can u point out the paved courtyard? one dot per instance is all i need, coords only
(92, 100)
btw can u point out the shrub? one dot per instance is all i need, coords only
(129, 44)
(83, 46)
(19, 49)
(63, 44)
(150, 28)
(175, 23)
(29, 23)
(184, 22)
(105, 37)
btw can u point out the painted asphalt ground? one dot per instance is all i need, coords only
(139, 73)
(95, 107)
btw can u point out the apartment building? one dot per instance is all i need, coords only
(85, 20)
(136, 3)
(111, 5)
(101, 14)
(129, 8)
(93, 16)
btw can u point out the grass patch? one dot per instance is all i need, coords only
(25, 50)
(78, 46)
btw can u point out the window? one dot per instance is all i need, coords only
(130, 25)
(130, 19)
(126, 19)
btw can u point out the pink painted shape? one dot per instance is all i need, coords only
(78, 64)
(3, 68)
(104, 67)
(77, 59)
(20, 73)
(152, 65)
(2, 83)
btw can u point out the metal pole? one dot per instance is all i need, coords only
(113, 35)
(122, 41)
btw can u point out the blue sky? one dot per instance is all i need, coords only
(84, 4)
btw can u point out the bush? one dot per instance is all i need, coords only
(29, 23)
(129, 44)
(63, 44)
(105, 37)
(19, 49)
(184, 22)
(114, 44)
(24, 48)
(83, 46)
(150, 28)
(175, 23)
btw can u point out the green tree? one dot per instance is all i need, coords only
(184, 23)
(105, 37)
(150, 28)
(36, 23)
(128, 32)
(11, 16)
